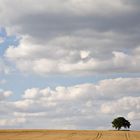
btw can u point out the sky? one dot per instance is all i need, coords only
(69, 64)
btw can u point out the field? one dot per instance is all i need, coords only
(68, 135)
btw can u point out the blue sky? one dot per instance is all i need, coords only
(69, 63)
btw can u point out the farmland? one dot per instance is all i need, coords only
(68, 135)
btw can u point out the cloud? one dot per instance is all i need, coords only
(78, 7)
(2, 40)
(4, 68)
(77, 106)
(4, 94)
(58, 16)
(73, 36)
(134, 115)
(11, 122)
(67, 55)
(121, 105)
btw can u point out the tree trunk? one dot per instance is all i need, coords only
(119, 128)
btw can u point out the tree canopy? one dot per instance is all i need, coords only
(120, 122)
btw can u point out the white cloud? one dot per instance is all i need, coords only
(126, 105)
(72, 37)
(66, 59)
(84, 54)
(4, 94)
(12, 122)
(134, 115)
(78, 105)
(23, 104)
(75, 106)
(23, 115)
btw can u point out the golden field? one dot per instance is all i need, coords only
(68, 135)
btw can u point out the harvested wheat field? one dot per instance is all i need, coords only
(68, 135)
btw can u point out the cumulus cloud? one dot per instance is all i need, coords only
(68, 57)
(134, 115)
(121, 105)
(73, 36)
(76, 106)
(4, 94)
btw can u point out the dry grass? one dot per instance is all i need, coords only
(68, 135)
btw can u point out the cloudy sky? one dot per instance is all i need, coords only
(69, 64)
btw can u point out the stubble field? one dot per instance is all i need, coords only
(68, 135)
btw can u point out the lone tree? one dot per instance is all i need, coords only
(120, 122)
